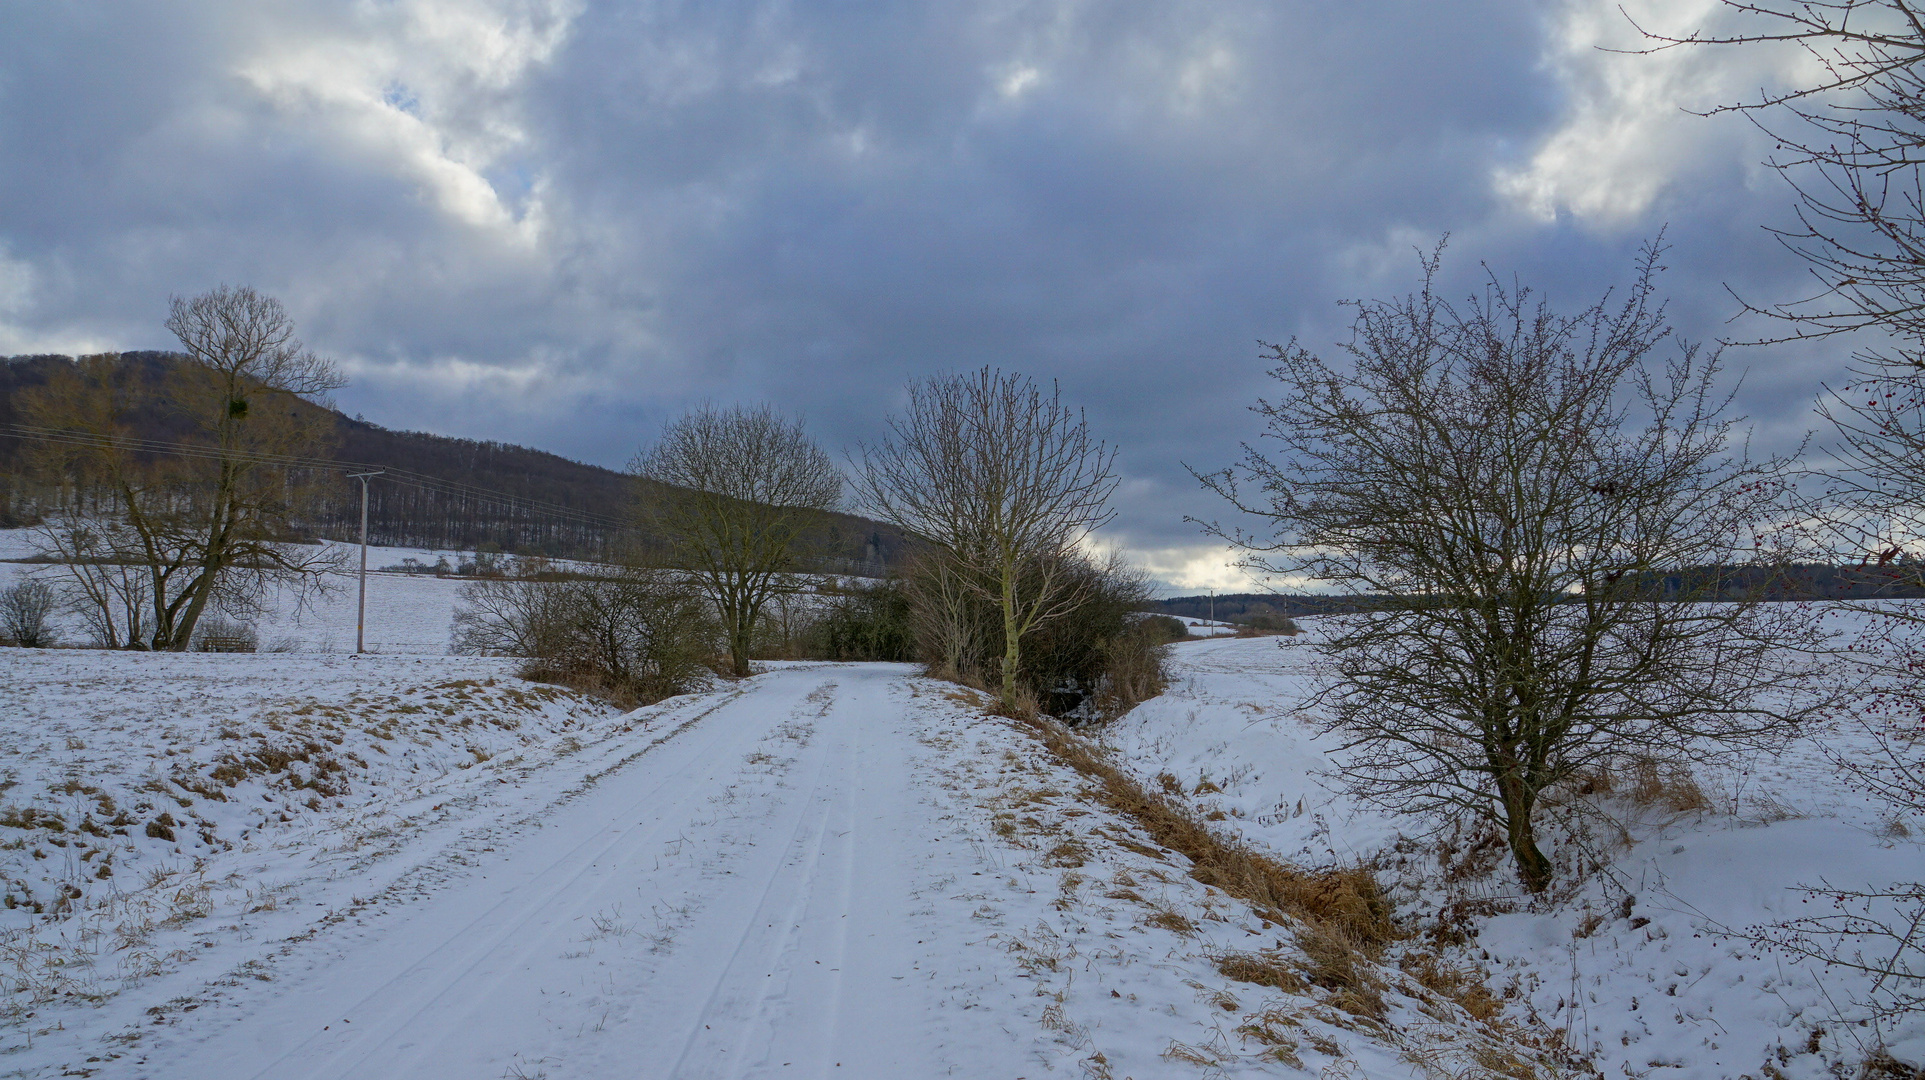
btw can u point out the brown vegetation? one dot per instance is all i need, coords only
(1342, 903)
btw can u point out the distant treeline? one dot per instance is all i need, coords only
(530, 505)
(1801, 581)
(1260, 610)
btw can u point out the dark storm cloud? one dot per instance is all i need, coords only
(558, 223)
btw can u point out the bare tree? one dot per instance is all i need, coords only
(1849, 145)
(1004, 479)
(743, 485)
(1532, 509)
(208, 518)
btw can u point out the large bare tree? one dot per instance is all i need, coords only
(742, 486)
(1533, 508)
(207, 512)
(1007, 482)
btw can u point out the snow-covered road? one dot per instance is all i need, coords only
(749, 896)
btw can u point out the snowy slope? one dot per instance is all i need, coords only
(1647, 965)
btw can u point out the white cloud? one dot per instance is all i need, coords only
(18, 282)
(424, 87)
(1199, 568)
(1628, 131)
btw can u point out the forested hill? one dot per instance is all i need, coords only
(478, 495)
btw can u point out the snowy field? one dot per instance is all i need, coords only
(1205, 628)
(1647, 966)
(420, 867)
(827, 870)
(407, 613)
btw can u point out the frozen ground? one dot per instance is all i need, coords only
(826, 870)
(1647, 966)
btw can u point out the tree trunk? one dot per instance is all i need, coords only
(740, 631)
(1012, 639)
(1533, 869)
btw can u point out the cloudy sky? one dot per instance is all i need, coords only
(559, 222)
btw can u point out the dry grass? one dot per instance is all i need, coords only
(1335, 965)
(1269, 968)
(1344, 902)
(1466, 988)
(1276, 1029)
(1170, 919)
(1667, 785)
(1645, 782)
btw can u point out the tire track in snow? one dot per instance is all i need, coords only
(422, 989)
(803, 880)
(738, 999)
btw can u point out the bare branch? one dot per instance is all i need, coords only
(1533, 506)
(742, 484)
(1005, 479)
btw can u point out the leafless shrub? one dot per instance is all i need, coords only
(1091, 661)
(26, 608)
(866, 622)
(504, 617)
(635, 638)
(1133, 670)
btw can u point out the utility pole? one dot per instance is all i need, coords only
(361, 611)
(364, 533)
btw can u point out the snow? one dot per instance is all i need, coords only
(831, 870)
(1673, 982)
(407, 612)
(824, 870)
(1205, 628)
